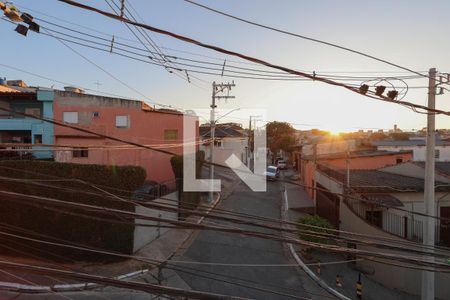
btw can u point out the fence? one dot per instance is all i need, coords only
(408, 227)
(403, 226)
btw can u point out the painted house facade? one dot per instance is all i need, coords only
(354, 160)
(21, 130)
(228, 141)
(130, 120)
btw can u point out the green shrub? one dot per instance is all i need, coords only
(187, 200)
(58, 222)
(121, 177)
(323, 224)
(177, 164)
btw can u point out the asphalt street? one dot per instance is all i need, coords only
(218, 247)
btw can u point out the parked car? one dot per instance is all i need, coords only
(272, 173)
(150, 190)
(281, 164)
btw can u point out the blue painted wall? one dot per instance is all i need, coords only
(45, 128)
(37, 127)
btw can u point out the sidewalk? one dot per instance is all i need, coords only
(298, 199)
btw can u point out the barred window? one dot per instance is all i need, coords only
(80, 152)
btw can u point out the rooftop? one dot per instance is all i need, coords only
(13, 91)
(375, 181)
(442, 167)
(354, 154)
(382, 199)
(6, 89)
(220, 132)
(390, 143)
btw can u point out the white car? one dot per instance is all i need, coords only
(272, 173)
(281, 164)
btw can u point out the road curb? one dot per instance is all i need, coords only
(308, 271)
(78, 287)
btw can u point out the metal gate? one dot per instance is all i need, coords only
(327, 206)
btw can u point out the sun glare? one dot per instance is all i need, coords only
(334, 132)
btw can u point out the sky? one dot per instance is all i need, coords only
(410, 33)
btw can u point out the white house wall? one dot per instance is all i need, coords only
(236, 146)
(419, 151)
(405, 280)
(145, 235)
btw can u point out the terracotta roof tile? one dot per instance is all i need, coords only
(8, 90)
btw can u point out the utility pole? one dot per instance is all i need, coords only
(217, 90)
(347, 166)
(429, 198)
(250, 140)
(314, 188)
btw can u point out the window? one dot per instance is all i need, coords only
(171, 134)
(218, 143)
(122, 122)
(399, 160)
(80, 152)
(437, 153)
(38, 138)
(70, 117)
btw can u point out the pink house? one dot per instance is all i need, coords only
(130, 120)
(357, 160)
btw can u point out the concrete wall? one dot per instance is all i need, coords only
(403, 279)
(145, 235)
(145, 127)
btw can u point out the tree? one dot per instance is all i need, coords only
(280, 136)
(378, 136)
(399, 136)
(187, 200)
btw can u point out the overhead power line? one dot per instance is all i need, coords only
(307, 38)
(359, 252)
(221, 213)
(203, 62)
(199, 54)
(146, 287)
(143, 33)
(256, 60)
(66, 125)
